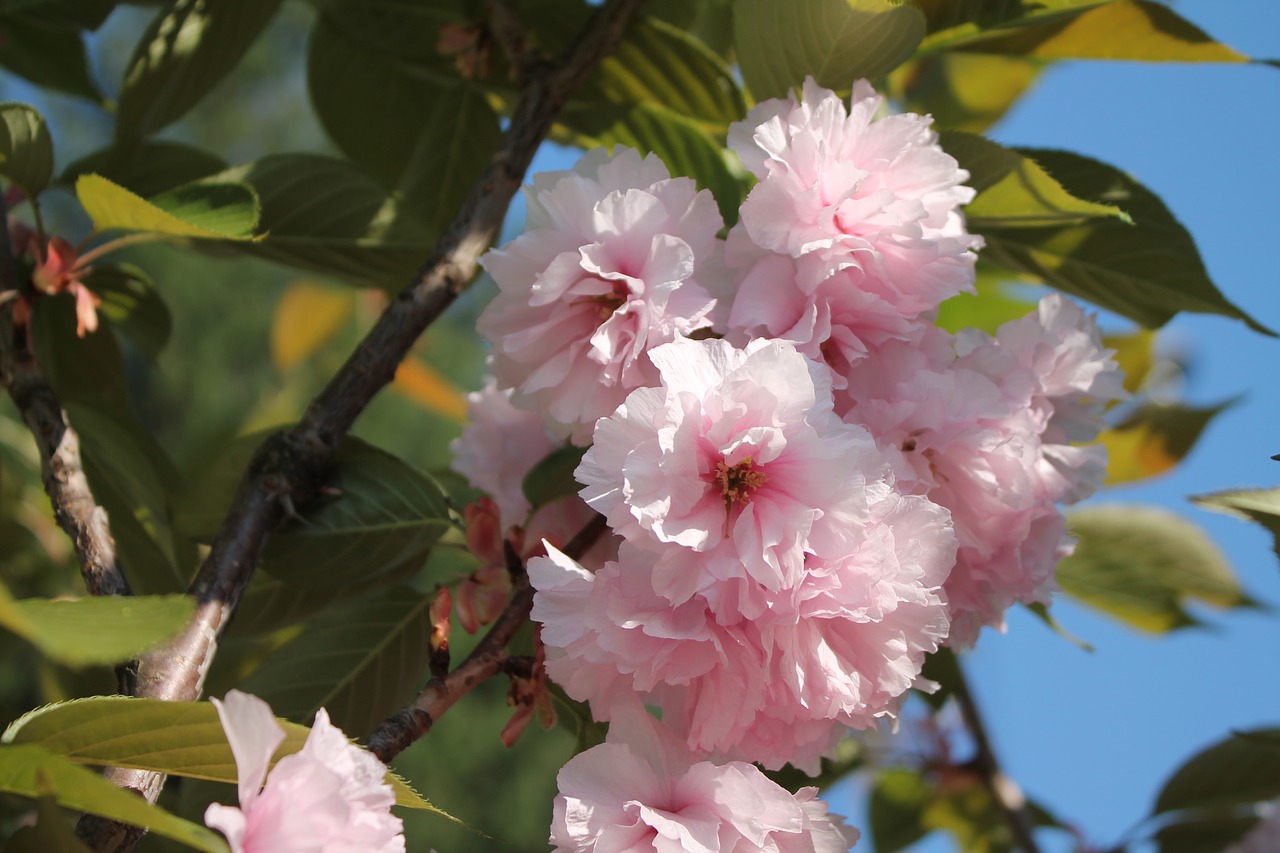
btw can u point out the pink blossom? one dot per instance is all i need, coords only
(614, 261)
(643, 790)
(838, 650)
(498, 447)
(867, 208)
(734, 467)
(331, 797)
(987, 427)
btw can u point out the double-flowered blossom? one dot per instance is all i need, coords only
(642, 790)
(615, 260)
(331, 797)
(853, 232)
(985, 427)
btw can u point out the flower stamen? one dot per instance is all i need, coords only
(737, 484)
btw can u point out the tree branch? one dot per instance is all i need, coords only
(489, 658)
(74, 507)
(292, 465)
(1005, 793)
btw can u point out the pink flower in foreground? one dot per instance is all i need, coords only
(331, 797)
(867, 208)
(838, 650)
(614, 261)
(643, 790)
(735, 467)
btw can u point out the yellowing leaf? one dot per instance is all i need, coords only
(211, 211)
(1154, 439)
(1135, 353)
(306, 317)
(424, 386)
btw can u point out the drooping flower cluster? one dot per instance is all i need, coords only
(330, 797)
(812, 485)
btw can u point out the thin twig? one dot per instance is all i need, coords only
(61, 469)
(291, 466)
(1005, 792)
(489, 658)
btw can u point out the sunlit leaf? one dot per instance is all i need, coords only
(188, 48)
(178, 738)
(132, 304)
(1142, 564)
(1013, 190)
(1122, 29)
(307, 316)
(963, 91)
(418, 381)
(992, 305)
(99, 630)
(1135, 353)
(1147, 271)
(222, 211)
(31, 771)
(1154, 439)
(837, 41)
(1260, 505)
(362, 661)
(709, 21)
(26, 148)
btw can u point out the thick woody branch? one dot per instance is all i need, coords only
(1004, 791)
(74, 507)
(489, 658)
(290, 468)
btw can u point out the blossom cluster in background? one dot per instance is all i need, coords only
(810, 486)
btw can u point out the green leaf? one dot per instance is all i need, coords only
(1260, 505)
(207, 210)
(709, 21)
(552, 478)
(897, 808)
(963, 91)
(133, 478)
(188, 48)
(50, 832)
(269, 604)
(383, 519)
(132, 304)
(1142, 564)
(88, 368)
(101, 630)
(1123, 29)
(45, 50)
(1148, 271)
(1013, 191)
(354, 230)
(1154, 439)
(992, 305)
(362, 661)
(146, 167)
(433, 138)
(1244, 768)
(30, 771)
(26, 148)
(837, 41)
(179, 738)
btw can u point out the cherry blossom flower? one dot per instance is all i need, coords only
(614, 261)
(331, 797)
(989, 428)
(858, 219)
(735, 467)
(839, 650)
(642, 790)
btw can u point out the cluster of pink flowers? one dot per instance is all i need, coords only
(810, 486)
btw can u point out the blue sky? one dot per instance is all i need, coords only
(1093, 735)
